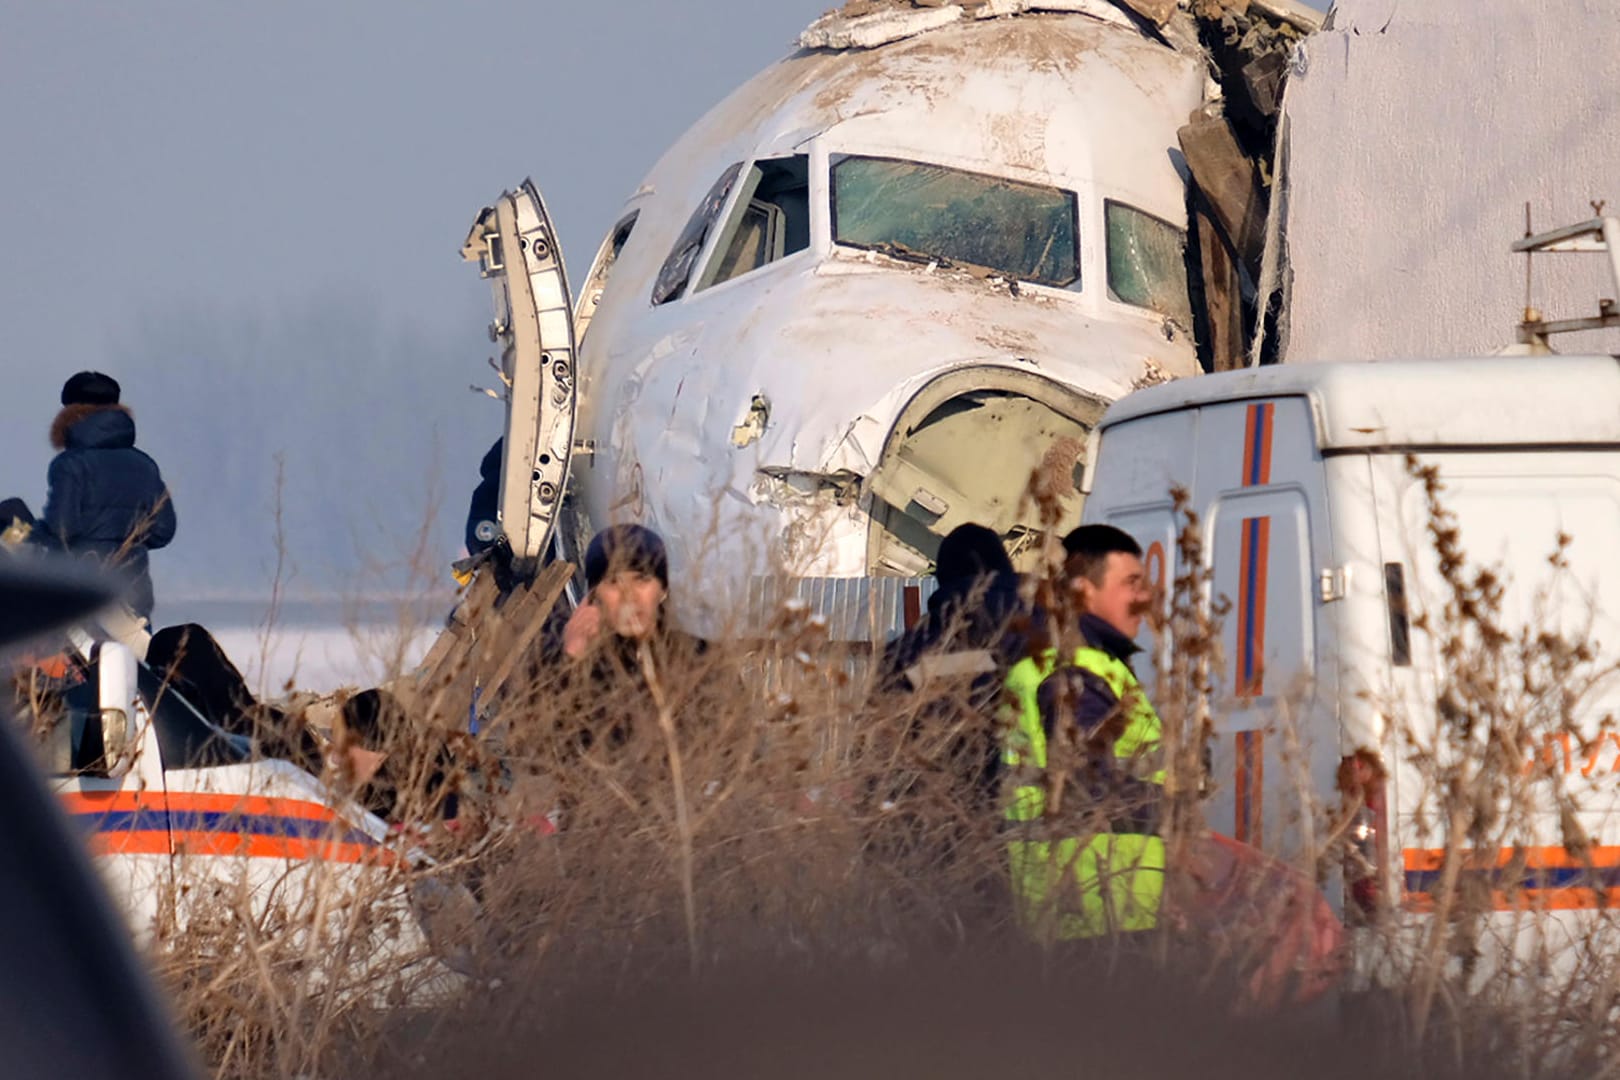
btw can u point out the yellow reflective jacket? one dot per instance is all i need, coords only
(1077, 887)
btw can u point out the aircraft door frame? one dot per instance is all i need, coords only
(534, 322)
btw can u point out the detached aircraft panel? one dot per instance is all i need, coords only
(516, 248)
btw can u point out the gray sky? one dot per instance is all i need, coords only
(250, 215)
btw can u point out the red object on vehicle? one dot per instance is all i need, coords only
(1267, 915)
(1361, 785)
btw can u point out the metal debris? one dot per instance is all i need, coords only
(836, 30)
(868, 24)
(753, 425)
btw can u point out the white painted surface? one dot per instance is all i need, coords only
(1418, 129)
(1478, 401)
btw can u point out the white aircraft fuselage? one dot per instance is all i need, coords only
(865, 296)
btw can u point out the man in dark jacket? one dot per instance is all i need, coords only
(106, 498)
(609, 670)
(627, 569)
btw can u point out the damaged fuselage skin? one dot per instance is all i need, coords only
(871, 292)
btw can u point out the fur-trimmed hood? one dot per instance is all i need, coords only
(93, 427)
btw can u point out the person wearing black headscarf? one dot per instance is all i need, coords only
(947, 671)
(973, 609)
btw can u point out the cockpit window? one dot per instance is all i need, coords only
(927, 212)
(677, 269)
(770, 220)
(597, 280)
(1147, 262)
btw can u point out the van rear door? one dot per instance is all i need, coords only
(1261, 499)
(1545, 527)
(1256, 483)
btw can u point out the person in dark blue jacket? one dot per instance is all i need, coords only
(976, 607)
(106, 499)
(482, 526)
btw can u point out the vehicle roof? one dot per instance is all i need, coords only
(1479, 401)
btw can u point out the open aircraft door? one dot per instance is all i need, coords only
(517, 250)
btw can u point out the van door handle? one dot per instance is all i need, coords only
(1332, 583)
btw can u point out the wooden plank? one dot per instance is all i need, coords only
(1263, 82)
(1231, 182)
(1223, 307)
(493, 641)
(474, 603)
(1302, 18)
(546, 590)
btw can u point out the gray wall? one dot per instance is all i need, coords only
(1418, 129)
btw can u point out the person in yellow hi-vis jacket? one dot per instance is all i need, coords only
(1089, 861)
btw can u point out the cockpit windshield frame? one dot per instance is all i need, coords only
(1064, 271)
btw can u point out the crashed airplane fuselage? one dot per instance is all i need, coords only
(860, 302)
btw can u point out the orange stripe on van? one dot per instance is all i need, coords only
(90, 802)
(1519, 879)
(204, 824)
(1257, 444)
(1254, 561)
(1251, 780)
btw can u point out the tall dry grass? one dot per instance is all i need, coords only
(750, 858)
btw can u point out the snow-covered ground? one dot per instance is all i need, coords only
(322, 658)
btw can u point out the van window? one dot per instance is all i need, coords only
(770, 221)
(596, 281)
(910, 210)
(677, 268)
(187, 739)
(1147, 262)
(68, 720)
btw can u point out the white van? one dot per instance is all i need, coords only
(185, 820)
(1313, 524)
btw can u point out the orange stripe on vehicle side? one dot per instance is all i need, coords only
(1535, 858)
(130, 842)
(90, 802)
(218, 842)
(1251, 779)
(1257, 427)
(277, 847)
(1554, 879)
